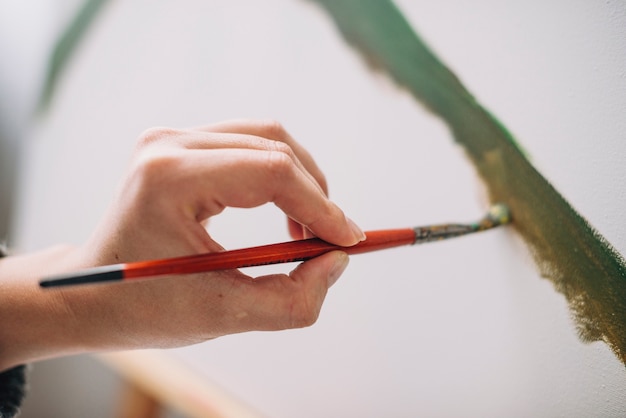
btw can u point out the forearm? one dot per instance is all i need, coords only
(34, 324)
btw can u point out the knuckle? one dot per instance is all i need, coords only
(302, 303)
(153, 157)
(280, 165)
(304, 317)
(273, 129)
(281, 147)
(151, 167)
(306, 309)
(156, 134)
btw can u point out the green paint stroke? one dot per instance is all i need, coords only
(575, 257)
(66, 46)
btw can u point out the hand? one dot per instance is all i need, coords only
(177, 181)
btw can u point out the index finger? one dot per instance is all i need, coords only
(273, 130)
(249, 177)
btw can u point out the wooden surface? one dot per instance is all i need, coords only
(137, 403)
(154, 375)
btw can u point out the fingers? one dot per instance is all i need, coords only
(271, 130)
(240, 133)
(244, 170)
(258, 135)
(274, 131)
(288, 301)
(248, 178)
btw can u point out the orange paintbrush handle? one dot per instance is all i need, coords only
(285, 252)
(247, 257)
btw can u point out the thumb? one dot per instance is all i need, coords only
(292, 301)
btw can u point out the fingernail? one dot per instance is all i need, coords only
(358, 232)
(341, 262)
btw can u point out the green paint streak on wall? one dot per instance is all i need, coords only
(575, 257)
(66, 45)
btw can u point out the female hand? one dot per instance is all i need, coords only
(179, 179)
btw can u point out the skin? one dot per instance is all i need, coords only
(177, 181)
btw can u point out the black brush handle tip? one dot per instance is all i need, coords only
(97, 274)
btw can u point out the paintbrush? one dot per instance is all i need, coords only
(285, 252)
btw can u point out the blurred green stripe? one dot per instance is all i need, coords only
(65, 47)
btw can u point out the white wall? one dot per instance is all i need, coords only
(463, 328)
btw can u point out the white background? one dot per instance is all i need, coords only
(461, 328)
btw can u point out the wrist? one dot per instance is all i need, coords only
(36, 324)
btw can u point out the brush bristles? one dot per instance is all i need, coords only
(499, 214)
